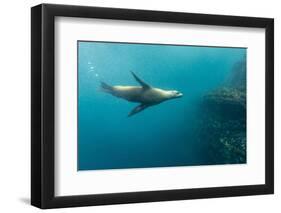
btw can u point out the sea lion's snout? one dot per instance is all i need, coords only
(179, 95)
(176, 94)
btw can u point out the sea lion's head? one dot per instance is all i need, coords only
(174, 94)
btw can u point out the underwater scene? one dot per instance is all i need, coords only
(160, 105)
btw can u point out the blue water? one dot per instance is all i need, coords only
(161, 135)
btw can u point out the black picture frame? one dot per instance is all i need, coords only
(43, 102)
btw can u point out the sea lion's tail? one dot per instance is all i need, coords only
(105, 87)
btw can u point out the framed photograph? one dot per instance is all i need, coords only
(139, 106)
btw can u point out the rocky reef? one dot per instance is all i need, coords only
(222, 121)
(226, 102)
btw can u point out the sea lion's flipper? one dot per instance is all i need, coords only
(105, 87)
(141, 82)
(138, 109)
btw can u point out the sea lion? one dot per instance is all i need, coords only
(144, 94)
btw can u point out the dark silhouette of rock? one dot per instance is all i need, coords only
(222, 120)
(237, 77)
